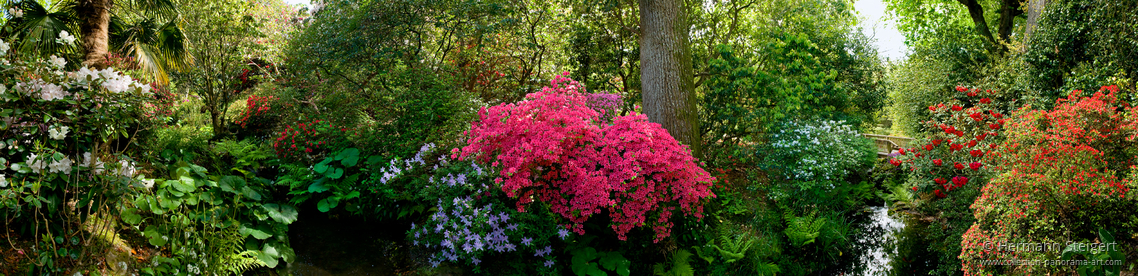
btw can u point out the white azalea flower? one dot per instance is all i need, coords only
(66, 38)
(88, 158)
(148, 183)
(58, 133)
(63, 165)
(35, 164)
(16, 13)
(85, 72)
(53, 92)
(58, 62)
(126, 168)
(3, 48)
(3, 181)
(3, 89)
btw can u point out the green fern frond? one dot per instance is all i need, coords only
(734, 249)
(803, 230)
(766, 268)
(680, 265)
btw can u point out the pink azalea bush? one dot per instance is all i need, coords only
(554, 148)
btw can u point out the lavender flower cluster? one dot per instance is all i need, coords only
(606, 104)
(461, 231)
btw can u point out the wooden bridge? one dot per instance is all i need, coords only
(887, 144)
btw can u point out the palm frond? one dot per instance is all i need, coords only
(158, 49)
(37, 30)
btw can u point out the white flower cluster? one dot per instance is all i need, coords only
(113, 81)
(16, 13)
(4, 48)
(58, 62)
(822, 150)
(37, 164)
(3, 181)
(58, 133)
(47, 91)
(65, 38)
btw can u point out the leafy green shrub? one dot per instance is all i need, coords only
(816, 155)
(59, 133)
(210, 223)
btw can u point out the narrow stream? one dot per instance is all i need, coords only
(876, 233)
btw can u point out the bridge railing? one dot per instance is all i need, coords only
(887, 144)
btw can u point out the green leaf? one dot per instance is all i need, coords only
(318, 186)
(231, 183)
(184, 184)
(250, 193)
(350, 157)
(257, 232)
(154, 237)
(1105, 236)
(334, 174)
(321, 167)
(268, 260)
(327, 204)
(130, 216)
(285, 214)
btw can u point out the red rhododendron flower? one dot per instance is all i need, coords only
(956, 147)
(937, 162)
(961, 88)
(976, 153)
(971, 94)
(901, 150)
(936, 142)
(959, 181)
(958, 166)
(985, 101)
(957, 108)
(940, 181)
(975, 165)
(895, 162)
(929, 147)
(932, 108)
(972, 143)
(914, 189)
(994, 126)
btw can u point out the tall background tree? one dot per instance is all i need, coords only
(666, 70)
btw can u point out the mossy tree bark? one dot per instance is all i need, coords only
(668, 93)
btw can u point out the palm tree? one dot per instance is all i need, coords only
(158, 48)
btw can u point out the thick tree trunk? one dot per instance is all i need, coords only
(977, 13)
(1008, 13)
(94, 21)
(666, 77)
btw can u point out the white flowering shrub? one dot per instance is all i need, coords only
(817, 153)
(62, 135)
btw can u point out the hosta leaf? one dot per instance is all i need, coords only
(281, 213)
